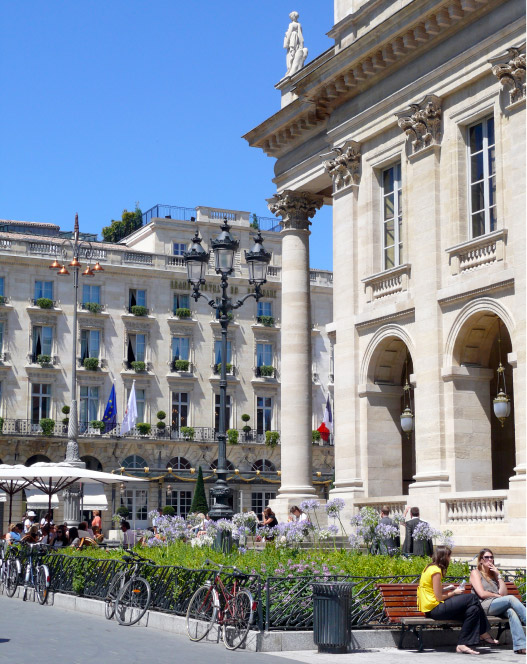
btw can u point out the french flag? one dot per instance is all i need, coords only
(326, 428)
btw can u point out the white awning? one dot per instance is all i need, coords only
(36, 500)
(3, 497)
(94, 497)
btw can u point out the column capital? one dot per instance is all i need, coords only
(422, 123)
(344, 167)
(509, 69)
(295, 208)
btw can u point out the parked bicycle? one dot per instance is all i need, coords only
(231, 607)
(37, 574)
(11, 568)
(129, 593)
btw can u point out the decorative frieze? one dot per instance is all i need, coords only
(344, 168)
(511, 73)
(422, 123)
(296, 208)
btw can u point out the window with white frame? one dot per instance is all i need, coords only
(90, 343)
(42, 343)
(482, 177)
(179, 248)
(89, 405)
(217, 352)
(140, 397)
(264, 466)
(392, 241)
(40, 401)
(136, 296)
(264, 308)
(43, 289)
(217, 412)
(228, 465)
(260, 500)
(180, 404)
(91, 293)
(264, 414)
(136, 351)
(180, 348)
(264, 355)
(179, 463)
(181, 301)
(180, 501)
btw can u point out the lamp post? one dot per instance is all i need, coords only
(72, 494)
(196, 259)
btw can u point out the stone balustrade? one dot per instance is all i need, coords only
(397, 504)
(478, 252)
(475, 507)
(386, 283)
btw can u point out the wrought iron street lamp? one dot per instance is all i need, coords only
(197, 259)
(501, 404)
(407, 417)
(72, 495)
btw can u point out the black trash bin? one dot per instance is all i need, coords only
(331, 621)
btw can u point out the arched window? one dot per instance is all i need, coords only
(134, 462)
(263, 465)
(37, 458)
(92, 463)
(179, 463)
(228, 465)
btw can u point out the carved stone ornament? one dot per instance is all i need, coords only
(296, 53)
(295, 208)
(344, 168)
(511, 74)
(422, 123)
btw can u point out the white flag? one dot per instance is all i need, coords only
(328, 417)
(130, 414)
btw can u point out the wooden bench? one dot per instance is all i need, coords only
(400, 607)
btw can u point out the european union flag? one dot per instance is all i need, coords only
(110, 414)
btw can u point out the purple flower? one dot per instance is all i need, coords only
(334, 507)
(309, 505)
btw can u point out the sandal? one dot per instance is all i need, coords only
(465, 650)
(521, 652)
(487, 638)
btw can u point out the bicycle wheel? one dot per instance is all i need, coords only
(11, 578)
(41, 584)
(237, 619)
(114, 589)
(202, 612)
(133, 601)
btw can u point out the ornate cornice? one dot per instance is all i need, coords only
(422, 123)
(344, 168)
(296, 208)
(511, 73)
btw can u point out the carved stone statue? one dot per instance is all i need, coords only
(294, 43)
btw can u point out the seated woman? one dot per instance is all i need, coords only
(488, 585)
(97, 535)
(32, 536)
(74, 537)
(61, 539)
(437, 604)
(14, 534)
(268, 519)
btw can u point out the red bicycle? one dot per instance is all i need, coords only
(233, 613)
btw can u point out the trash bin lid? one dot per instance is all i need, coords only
(335, 588)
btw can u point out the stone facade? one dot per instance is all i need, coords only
(147, 269)
(412, 126)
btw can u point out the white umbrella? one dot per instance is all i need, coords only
(12, 486)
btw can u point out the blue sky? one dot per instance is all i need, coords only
(109, 103)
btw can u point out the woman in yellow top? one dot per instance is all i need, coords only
(437, 604)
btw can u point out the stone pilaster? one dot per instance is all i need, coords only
(295, 208)
(422, 123)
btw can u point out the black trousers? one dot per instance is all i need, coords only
(466, 608)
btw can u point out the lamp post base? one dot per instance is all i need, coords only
(221, 494)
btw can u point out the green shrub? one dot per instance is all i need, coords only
(123, 511)
(65, 420)
(188, 432)
(232, 436)
(139, 310)
(228, 367)
(44, 359)
(266, 370)
(1, 424)
(138, 366)
(98, 424)
(168, 510)
(245, 417)
(246, 429)
(315, 436)
(181, 365)
(272, 438)
(144, 428)
(2, 299)
(160, 424)
(268, 321)
(94, 307)
(183, 312)
(91, 363)
(47, 425)
(45, 303)
(66, 410)
(161, 415)
(199, 501)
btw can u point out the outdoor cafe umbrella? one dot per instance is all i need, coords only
(51, 478)
(11, 486)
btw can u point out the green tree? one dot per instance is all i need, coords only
(130, 221)
(199, 502)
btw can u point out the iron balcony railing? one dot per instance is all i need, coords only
(35, 299)
(169, 212)
(33, 359)
(128, 365)
(261, 372)
(231, 369)
(189, 366)
(85, 306)
(131, 306)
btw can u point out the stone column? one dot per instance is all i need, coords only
(295, 208)
(343, 166)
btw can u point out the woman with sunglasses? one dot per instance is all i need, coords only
(489, 586)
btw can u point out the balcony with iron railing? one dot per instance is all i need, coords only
(231, 369)
(265, 371)
(182, 366)
(137, 366)
(42, 359)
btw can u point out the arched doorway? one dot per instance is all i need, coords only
(37, 458)
(92, 463)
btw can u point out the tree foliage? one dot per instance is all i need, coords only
(129, 222)
(199, 502)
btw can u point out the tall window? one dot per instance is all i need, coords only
(180, 348)
(90, 343)
(264, 308)
(217, 412)
(42, 341)
(89, 406)
(179, 248)
(137, 297)
(260, 500)
(2, 286)
(181, 301)
(1, 337)
(482, 174)
(91, 294)
(264, 414)
(179, 410)
(43, 289)
(179, 463)
(136, 351)
(264, 355)
(180, 501)
(40, 401)
(141, 404)
(263, 465)
(217, 352)
(392, 217)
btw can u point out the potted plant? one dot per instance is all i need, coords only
(44, 303)
(268, 321)
(266, 371)
(123, 512)
(44, 360)
(183, 312)
(272, 438)
(47, 425)
(98, 425)
(246, 427)
(66, 411)
(160, 423)
(94, 307)
(3, 299)
(168, 510)
(139, 310)
(138, 366)
(181, 365)
(91, 363)
(232, 436)
(188, 433)
(228, 367)
(144, 428)
(315, 436)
